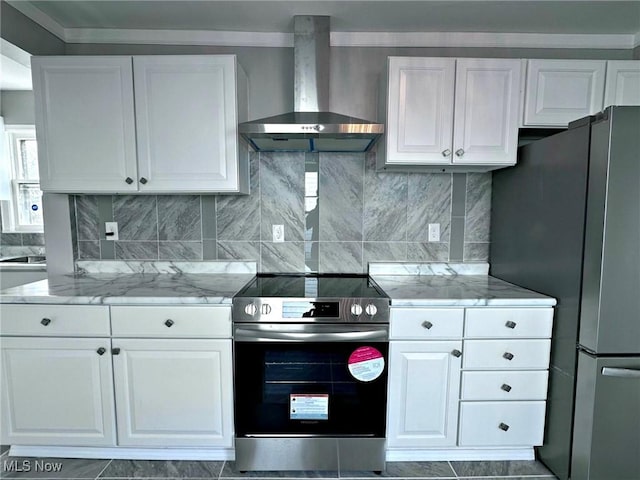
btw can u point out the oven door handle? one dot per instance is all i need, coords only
(355, 334)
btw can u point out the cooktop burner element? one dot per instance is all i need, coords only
(311, 298)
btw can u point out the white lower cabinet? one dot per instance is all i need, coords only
(424, 381)
(57, 391)
(463, 378)
(173, 392)
(486, 424)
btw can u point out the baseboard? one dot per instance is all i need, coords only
(123, 453)
(218, 454)
(459, 454)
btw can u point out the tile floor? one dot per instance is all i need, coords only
(143, 469)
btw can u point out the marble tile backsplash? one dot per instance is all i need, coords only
(364, 216)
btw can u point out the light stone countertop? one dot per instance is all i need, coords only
(456, 290)
(135, 282)
(138, 288)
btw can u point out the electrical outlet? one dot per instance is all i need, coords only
(278, 233)
(434, 232)
(111, 230)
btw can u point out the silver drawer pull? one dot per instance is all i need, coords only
(45, 321)
(620, 372)
(510, 324)
(508, 356)
(169, 322)
(506, 387)
(456, 353)
(427, 324)
(503, 426)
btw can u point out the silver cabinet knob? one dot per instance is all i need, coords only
(45, 321)
(460, 152)
(356, 309)
(169, 323)
(427, 324)
(456, 353)
(446, 153)
(506, 387)
(510, 324)
(508, 356)
(143, 180)
(101, 351)
(129, 180)
(503, 426)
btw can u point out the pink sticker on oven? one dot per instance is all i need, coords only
(366, 364)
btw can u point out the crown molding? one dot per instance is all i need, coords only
(482, 39)
(338, 39)
(178, 37)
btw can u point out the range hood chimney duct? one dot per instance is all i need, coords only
(311, 127)
(311, 63)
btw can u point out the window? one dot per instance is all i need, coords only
(22, 205)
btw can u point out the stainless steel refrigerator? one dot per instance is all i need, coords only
(565, 221)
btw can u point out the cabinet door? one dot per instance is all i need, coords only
(57, 391)
(420, 110)
(186, 123)
(623, 83)
(424, 383)
(560, 91)
(486, 111)
(174, 393)
(85, 123)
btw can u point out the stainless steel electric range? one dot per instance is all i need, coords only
(310, 361)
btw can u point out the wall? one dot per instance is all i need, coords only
(23, 32)
(636, 53)
(17, 107)
(364, 216)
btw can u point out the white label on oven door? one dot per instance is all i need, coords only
(366, 364)
(309, 406)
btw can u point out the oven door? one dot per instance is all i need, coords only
(310, 380)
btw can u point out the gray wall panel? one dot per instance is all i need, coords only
(23, 32)
(17, 107)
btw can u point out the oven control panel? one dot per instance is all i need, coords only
(300, 310)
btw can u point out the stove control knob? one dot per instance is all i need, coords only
(356, 309)
(251, 309)
(371, 309)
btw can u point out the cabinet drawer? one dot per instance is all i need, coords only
(55, 320)
(506, 354)
(509, 385)
(508, 322)
(426, 323)
(174, 322)
(501, 423)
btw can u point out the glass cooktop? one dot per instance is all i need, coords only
(311, 286)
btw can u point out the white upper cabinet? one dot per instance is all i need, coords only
(85, 123)
(623, 83)
(185, 120)
(486, 111)
(460, 113)
(561, 91)
(187, 109)
(420, 110)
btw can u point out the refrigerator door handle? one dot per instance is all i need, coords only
(621, 372)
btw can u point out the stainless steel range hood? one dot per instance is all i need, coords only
(311, 127)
